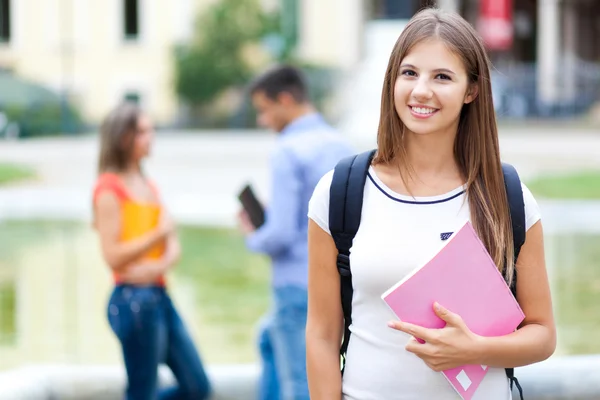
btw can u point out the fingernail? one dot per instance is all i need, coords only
(391, 324)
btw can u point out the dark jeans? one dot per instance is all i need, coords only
(152, 333)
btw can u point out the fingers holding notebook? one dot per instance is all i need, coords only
(444, 348)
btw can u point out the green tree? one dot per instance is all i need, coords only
(213, 60)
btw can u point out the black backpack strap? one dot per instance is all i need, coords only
(516, 204)
(345, 208)
(514, 191)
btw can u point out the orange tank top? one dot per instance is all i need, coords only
(137, 218)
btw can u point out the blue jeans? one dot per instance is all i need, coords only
(282, 347)
(151, 333)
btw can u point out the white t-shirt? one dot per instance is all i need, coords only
(398, 233)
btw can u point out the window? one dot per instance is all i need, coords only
(131, 19)
(132, 97)
(4, 21)
(395, 9)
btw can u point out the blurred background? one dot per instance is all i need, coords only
(65, 63)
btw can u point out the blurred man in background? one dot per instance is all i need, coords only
(307, 148)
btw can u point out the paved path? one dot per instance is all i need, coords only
(200, 173)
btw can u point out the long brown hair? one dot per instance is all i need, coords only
(117, 137)
(476, 148)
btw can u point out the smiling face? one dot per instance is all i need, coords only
(431, 88)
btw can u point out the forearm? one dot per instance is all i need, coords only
(269, 241)
(281, 223)
(129, 251)
(150, 271)
(530, 344)
(323, 369)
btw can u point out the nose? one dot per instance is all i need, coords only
(422, 90)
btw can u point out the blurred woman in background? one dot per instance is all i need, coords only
(140, 245)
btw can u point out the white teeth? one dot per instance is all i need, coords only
(424, 111)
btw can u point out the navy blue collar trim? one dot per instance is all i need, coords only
(412, 201)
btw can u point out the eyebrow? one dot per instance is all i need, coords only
(445, 70)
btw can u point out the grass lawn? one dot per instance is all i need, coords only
(8, 323)
(232, 288)
(579, 185)
(13, 172)
(575, 276)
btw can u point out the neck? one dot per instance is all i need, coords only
(431, 155)
(300, 111)
(132, 169)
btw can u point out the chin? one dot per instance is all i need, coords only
(421, 128)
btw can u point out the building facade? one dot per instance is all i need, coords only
(98, 52)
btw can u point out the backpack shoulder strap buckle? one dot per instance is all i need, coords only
(343, 265)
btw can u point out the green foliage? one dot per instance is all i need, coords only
(44, 119)
(214, 59)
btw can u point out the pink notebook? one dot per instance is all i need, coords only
(463, 278)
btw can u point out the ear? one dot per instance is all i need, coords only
(472, 93)
(286, 99)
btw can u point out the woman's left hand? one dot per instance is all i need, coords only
(451, 346)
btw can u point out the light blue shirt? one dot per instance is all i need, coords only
(305, 151)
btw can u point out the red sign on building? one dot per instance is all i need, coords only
(496, 23)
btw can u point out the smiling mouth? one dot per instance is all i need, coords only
(423, 111)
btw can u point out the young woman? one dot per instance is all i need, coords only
(437, 165)
(140, 246)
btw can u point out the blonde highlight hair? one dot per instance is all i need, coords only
(476, 147)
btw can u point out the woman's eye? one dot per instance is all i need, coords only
(409, 72)
(443, 77)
